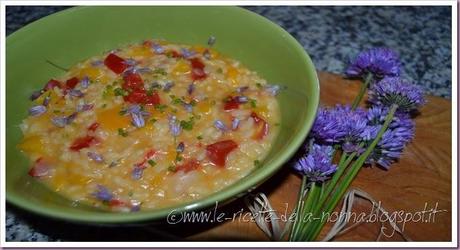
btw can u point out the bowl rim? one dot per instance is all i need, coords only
(223, 196)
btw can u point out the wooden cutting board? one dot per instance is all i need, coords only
(422, 176)
(420, 181)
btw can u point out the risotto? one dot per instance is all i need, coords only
(150, 125)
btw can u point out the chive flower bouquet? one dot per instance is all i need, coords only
(345, 138)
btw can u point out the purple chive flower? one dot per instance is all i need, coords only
(399, 133)
(46, 101)
(187, 53)
(220, 125)
(376, 116)
(130, 62)
(84, 83)
(389, 148)
(102, 193)
(174, 127)
(36, 94)
(96, 157)
(158, 48)
(380, 62)
(137, 120)
(317, 164)
(235, 123)
(190, 88)
(242, 99)
(75, 93)
(242, 89)
(273, 90)
(97, 63)
(137, 172)
(180, 147)
(71, 117)
(393, 90)
(60, 121)
(327, 127)
(84, 107)
(167, 87)
(188, 107)
(135, 207)
(144, 70)
(37, 110)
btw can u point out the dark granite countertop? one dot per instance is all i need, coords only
(331, 35)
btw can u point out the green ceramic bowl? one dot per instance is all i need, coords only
(78, 33)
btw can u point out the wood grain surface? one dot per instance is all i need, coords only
(420, 181)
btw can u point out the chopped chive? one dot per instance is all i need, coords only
(220, 71)
(153, 120)
(172, 168)
(130, 193)
(253, 103)
(122, 132)
(151, 162)
(160, 71)
(161, 107)
(179, 158)
(259, 85)
(120, 92)
(104, 105)
(199, 137)
(187, 125)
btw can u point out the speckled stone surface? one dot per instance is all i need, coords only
(331, 35)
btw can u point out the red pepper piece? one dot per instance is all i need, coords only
(39, 169)
(147, 43)
(190, 165)
(83, 142)
(51, 84)
(197, 69)
(71, 83)
(115, 63)
(153, 99)
(93, 127)
(151, 153)
(141, 97)
(217, 152)
(116, 203)
(262, 127)
(231, 103)
(174, 54)
(133, 81)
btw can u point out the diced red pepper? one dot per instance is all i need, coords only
(174, 54)
(197, 69)
(115, 63)
(262, 127)
(151, 153)
(141, 97)
(133, 81)
(93, 127)
(190, 165)
(39, 169)
(217, 152)
(153, 99)
(83, 142)
(71, 83)
(147, 43)
(51, 84)
(116, 203)
(231, 103)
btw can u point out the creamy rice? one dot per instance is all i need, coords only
(150, 125)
